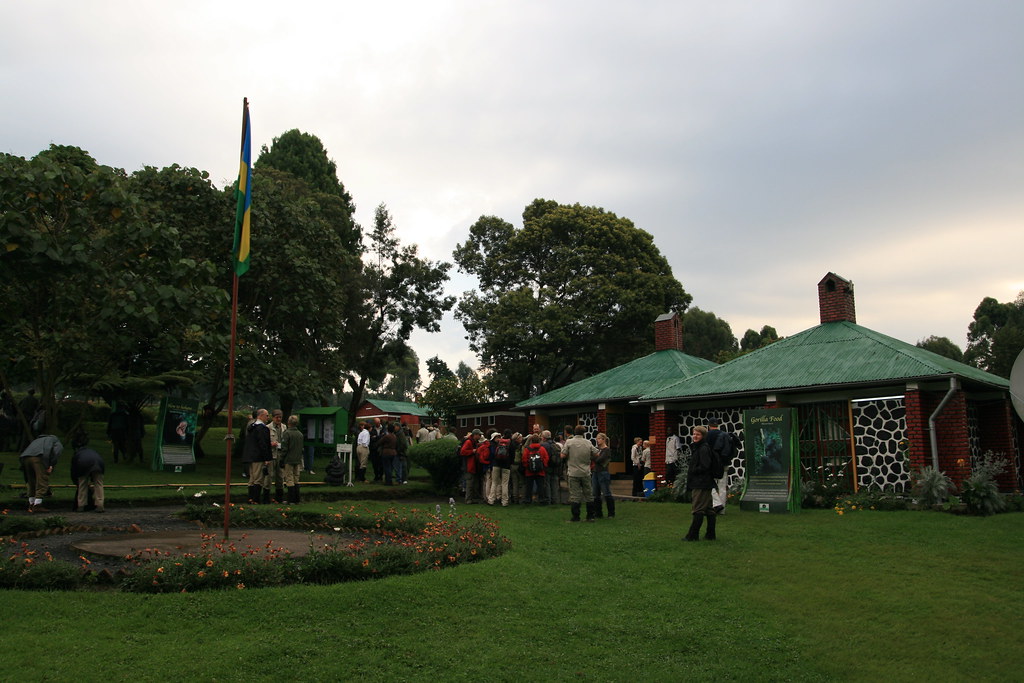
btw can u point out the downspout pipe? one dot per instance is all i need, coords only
(931, 422)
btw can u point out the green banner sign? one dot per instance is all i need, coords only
(176, 435)
(772, 481)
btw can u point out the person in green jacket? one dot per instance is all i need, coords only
(291, 457)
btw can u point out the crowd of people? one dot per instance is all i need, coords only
(502, 468)
(510, 468)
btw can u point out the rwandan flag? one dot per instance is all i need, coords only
(244, 197)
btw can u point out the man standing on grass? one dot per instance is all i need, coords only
(553, 478)
(277, 429)
(469, 466)
(579, 453)
(535, 464)
(291, 457)
(362, 451)
(258, 453)
(673, 445)
(376, 432)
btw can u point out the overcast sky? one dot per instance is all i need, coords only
(762, 143)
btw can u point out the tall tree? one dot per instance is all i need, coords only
(943, 346)
(401, 380)
(572, 293)
(400, 292)
(449, 390)
(438, 369)
(754, 340)
(705, 335)
(303, 155)
(996, 336)
(97, 290)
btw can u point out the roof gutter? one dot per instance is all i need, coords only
(934, 438)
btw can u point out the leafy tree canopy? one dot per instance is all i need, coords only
(705, 335)
(996, 337)
(449, 390)
(98, 289)
(303, 155)
(942, 346)
(399, 292)
(573, 292)
(438, 369)
(754, 340)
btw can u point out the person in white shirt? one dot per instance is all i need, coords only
(673, 445)
(362, 451)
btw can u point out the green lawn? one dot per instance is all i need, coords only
(868, 596)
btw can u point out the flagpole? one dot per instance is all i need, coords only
(230, 438)
(239, 265)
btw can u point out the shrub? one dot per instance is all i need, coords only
(981, 495)
(932, 487)
(871, 499)
(11, 525)
(441, 462)
(980, 492)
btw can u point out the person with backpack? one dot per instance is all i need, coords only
(700, 481)
(517, 478)
(467, 451)
(553, 476)
(501, 468)
(535, 464)
(723, 444)
(484, 450)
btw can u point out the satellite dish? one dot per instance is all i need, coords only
(1017, 384)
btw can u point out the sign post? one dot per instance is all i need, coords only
(772, 482)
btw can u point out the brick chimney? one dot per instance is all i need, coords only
(668, 332)
(835, 300)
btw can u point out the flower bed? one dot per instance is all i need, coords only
(366, 545)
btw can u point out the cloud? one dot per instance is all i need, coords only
(761, 144)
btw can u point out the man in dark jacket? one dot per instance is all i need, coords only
(260, 456)
(87, 472)
(700, 481)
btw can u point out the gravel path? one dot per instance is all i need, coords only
(90, 525)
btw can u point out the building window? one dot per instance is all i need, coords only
(476, 422)
(462, 422)
(490, 419)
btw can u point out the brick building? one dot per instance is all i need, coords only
(606, 402)
(870, 408)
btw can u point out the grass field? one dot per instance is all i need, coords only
(867, 596)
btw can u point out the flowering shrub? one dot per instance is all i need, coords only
(29, 570)
(376, 544)
(870, 499)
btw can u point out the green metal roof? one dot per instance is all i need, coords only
(625, 381)
(398, 407)
(330, 410)
(827, 355)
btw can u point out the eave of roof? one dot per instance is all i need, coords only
(624, 382)
(828, 355)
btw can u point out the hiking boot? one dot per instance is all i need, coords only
(709, 535)
(694, 533)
